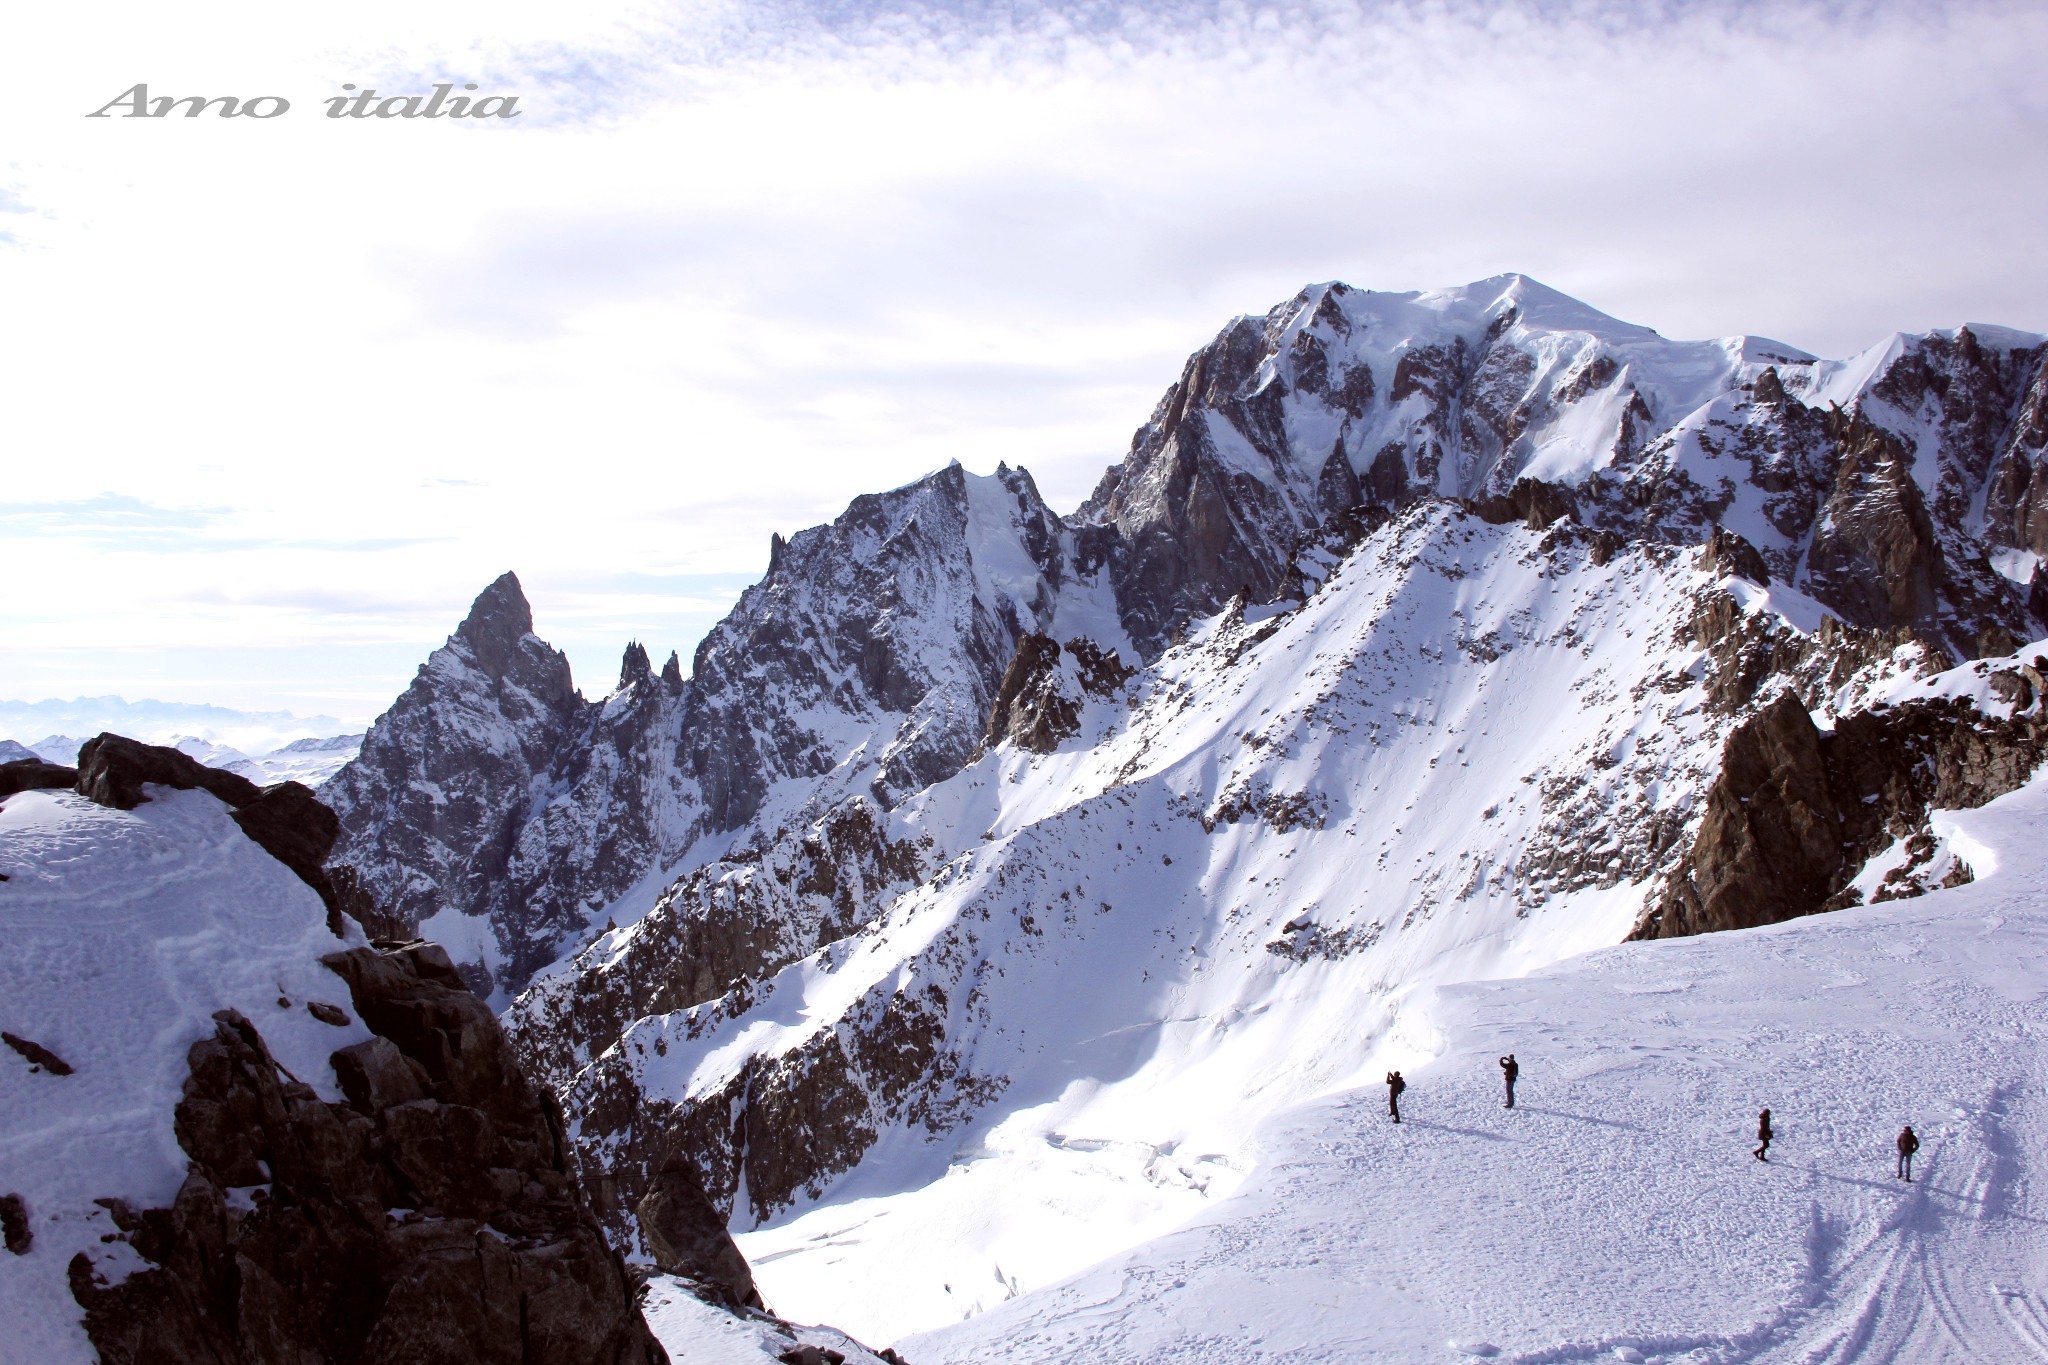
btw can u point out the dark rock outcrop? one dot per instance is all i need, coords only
(430, 1218)
(1038, 703)
(685, 1234)
(112, 769)
(1728, 553)
(33, 774)
(37, 1055)
(1532, 502)
(1874, 556)
(1795, 813)
(15, 1229)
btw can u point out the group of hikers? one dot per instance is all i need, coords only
(1907, 1144)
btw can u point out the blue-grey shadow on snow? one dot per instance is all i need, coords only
(1450, 1128)
(1578, 1118)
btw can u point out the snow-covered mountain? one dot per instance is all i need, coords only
(48, 727)
(311, 760)
(996, 878)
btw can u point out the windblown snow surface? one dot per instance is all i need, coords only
(1616, 1212)
(123, 933)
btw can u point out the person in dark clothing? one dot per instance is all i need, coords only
(1395, 1085)
(1509, 1069)
(1763, 1136)
(1909, 1143)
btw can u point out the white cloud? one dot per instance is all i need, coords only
(739, 263)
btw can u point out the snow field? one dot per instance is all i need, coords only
(124, 932)
(1616, 1213)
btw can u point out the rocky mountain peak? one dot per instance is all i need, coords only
(498, 621)
(634, 667)
(1896, 489)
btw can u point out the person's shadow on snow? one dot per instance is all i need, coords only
(1578, 1118)
(1450, 1128)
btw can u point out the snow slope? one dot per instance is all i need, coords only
(123, 932)
(697, 1333)
(1616, 1213)
(1220, 900)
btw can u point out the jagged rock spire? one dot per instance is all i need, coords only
(634, 666)
(500, 610)
(498, 620)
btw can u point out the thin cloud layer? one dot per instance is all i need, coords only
(738, 263)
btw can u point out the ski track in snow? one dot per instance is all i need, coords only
(1616, 1213)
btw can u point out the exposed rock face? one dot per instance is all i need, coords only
(1728, 553)
(492, 789)
(782, 1128)
(1873, 556)
(431, 1218)
(1796, 814)
(441, 787)
(732, 921)
(685, 1234)
(33, 774)
(907, 608)
(1042, 692)
(1532, 502)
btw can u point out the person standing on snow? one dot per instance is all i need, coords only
(1395, 1085)
(1509, 1069)
(1909, 1143)
(1763, 1136)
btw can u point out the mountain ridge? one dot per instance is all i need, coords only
(1357, 537)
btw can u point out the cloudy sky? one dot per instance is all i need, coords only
(282, 395)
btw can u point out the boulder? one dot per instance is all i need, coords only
(686, 1235)
(32, 774)
(112, 769)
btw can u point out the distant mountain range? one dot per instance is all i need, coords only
(264, 746)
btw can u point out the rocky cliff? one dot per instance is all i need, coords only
(429, 1216)
(369, 1181)
(1799, 820)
